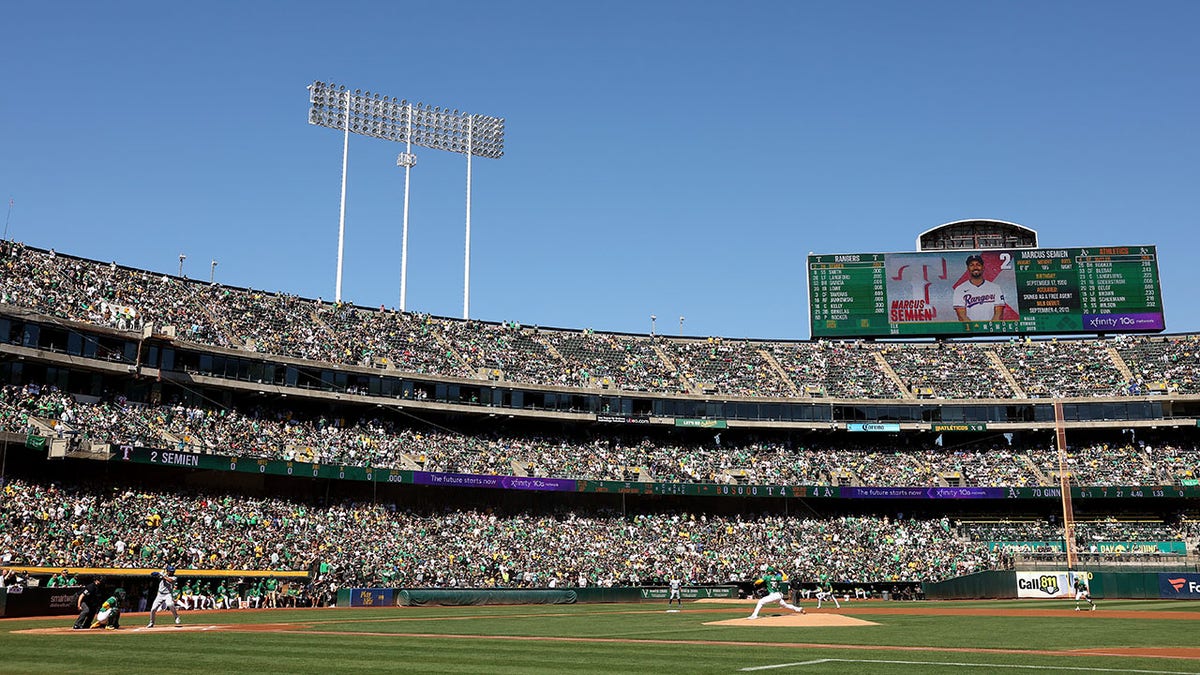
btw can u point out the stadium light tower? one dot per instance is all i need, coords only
(336, 107)
(182, 257)
(407, 160)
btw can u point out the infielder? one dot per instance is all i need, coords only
(675, 583)
(1082, 592)
(165, 599)
(825, 592)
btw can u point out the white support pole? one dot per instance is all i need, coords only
(337, 292)
(435, 128)
(404, 231)
(467, 262)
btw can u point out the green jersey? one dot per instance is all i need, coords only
(774, 583)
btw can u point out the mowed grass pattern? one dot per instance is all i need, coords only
(614, 638)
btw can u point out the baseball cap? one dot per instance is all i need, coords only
(976, 257)
(170, 569)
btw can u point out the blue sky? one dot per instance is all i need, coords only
(668, 158)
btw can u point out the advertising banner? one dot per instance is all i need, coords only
(701, 424)
(890, 427)
(370, 597)
(1179, 585)
(940, 427)
(39, 601)
(497, 482)
(623, 419)
(1044, 585)
(690, 593)
(923, 493)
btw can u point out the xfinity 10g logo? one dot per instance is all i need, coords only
(1047, 583)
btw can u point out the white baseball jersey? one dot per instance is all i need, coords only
(166, 586)
(979, 301)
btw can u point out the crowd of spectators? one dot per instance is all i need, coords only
(733, 367)
(948, 370)
(369, 437)
(1162, 365)
(1120, 463)
(1091, 535)
(277, 323)
(359, 543)
(835, 369)
(607, 360)
(1063, 368)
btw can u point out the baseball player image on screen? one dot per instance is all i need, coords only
(976, 298)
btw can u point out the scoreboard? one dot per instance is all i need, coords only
(1103, 289)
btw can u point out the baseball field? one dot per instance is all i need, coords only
(1131, 636)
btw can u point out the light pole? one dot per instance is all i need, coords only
(434, 127)
(652, 320)
(407, 160)
(681, 326)
(8, 217)
(182, 257)
(212, 271)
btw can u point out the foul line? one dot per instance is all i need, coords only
(966, 665)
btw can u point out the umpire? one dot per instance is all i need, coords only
(88, 601)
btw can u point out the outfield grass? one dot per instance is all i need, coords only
(613, 638)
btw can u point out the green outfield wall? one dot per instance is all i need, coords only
(1155, 585)
(991, 584)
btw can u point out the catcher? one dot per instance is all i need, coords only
(109, 616)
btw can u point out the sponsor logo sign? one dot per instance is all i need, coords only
(371, 597)
(1179, 585)
(922, 493)
(1044, 585)
(701, 424)
(965, 426)
(873, 426)
(623, 419)
(690, 593)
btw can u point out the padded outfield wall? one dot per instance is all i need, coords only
(1059, 584)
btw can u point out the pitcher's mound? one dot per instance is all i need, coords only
(792, 620)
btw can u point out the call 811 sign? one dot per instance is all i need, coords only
(1104, 289)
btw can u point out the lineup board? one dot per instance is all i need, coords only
(1102, 289)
